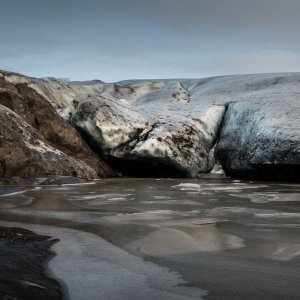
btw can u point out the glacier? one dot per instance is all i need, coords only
(181, 127)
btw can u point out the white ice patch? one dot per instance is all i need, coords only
(150, 216)
(170, 241)
(279, 215)
(286, 252)
(101, 196)
(173, 202)
(78, 184)
(153, 147)
(8, 194)
(223, 211)
(124, 102)
(117, 199)
(188, 186)
(212, 120)
(271, 197)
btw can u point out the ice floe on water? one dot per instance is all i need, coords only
(270, 197)
(7, 192)
(100, 197)
(78, 216)
(286, 252)
(78, 184)
(151, 215)
(98, 200)
(95, 217)
(96, 203)
(280, 215)
(185, 239)
(188, 186)
(234, 210)
(172, 202)
(160, 197)
(117, 199)
(235, 187)
(188, 222)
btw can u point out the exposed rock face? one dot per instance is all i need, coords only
(172, 127)
(36, 141)
(60, 93)
(24, 152)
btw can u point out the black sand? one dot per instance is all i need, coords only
(23, 258)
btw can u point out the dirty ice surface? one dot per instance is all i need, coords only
(211, 238)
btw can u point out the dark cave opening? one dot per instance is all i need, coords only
(143, 167)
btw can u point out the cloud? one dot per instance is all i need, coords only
(117, 39)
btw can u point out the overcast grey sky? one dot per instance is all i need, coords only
(123, 39)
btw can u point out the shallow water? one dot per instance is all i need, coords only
(234, 239)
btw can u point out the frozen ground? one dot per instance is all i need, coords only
(143, 238)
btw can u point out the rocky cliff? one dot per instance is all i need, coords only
(37, 142)
(177, 128)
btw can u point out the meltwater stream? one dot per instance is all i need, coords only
(167, 238)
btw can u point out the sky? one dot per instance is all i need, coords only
(135, 39)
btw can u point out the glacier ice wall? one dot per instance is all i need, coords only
(178, 127)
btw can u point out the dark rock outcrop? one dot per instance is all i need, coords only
(25, 153)
(37, 142)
